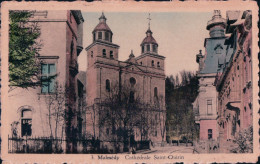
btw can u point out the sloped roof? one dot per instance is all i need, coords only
(149, 39)
(102, 26)
(212, 59)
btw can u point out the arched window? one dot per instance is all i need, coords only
(107, 85)
(131, 97)
(148, 48)
(155, 92)
(154, 48)
(99, 35)
(94, 37)
(106, 36)
(104, 53)
(158, 64)
(26, 122)
(132, 81)
(111, 55)
(152, 63)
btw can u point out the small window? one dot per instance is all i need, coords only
(106, 36)
(99, 35)
(209, 134)
(142, 49)
(152, 63)
(107, 85)
(104, 53)
(155, 92)
(141, 63)
(71, 49)
(48, 80)
(94, 37)
(111, 55)
(158, 64)
(132, 81)
(26, 122)
(92, 54)
(209, 107)
(131, 97)
(154, 48)
(148, 48)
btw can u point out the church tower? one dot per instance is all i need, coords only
(101, 54)
(149, 51)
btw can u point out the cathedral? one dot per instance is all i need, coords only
(143, 73)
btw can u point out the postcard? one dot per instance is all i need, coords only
(129, 82)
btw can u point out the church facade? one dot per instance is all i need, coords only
(142, 76)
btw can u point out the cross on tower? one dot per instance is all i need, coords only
(149, 19)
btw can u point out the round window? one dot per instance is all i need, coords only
(132, 81)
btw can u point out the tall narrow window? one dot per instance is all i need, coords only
(209, 107)
(107, 85)
(91, 54)
(155, 92)
(71, 49)
(131, 97)
(148, 48)
(111, 55)
(48, 78)
(94, 37)
(106, 36)
(142, 49)
(152, 63)
(154, 48)
(209, 133)
(158, 64)
(99, 35)
(26, 122)
(104, 53)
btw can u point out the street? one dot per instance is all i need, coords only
(168, 150)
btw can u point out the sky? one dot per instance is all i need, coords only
(180, 35)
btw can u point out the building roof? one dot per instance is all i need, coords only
(212, 58)
(149, 38)
(102, 26)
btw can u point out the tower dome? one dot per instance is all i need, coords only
(149, 44)
(102, 30)
(216, 25)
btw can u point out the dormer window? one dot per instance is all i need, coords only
(152, 63)
(99, 35)
(218, 49)
(104, 53)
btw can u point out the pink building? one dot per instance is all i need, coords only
(234, 80)
(205, 105)
(29, 109)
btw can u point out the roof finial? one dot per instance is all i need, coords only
(149, 19)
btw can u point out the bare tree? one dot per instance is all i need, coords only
(123, 112)
(56, 112)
